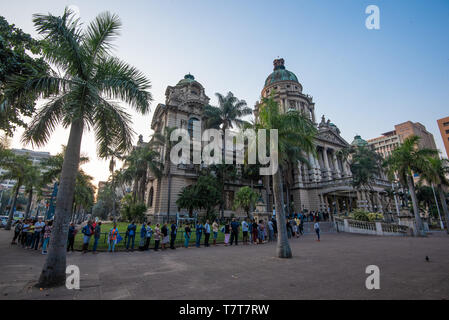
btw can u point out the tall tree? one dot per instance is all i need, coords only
(403, 162)
(294, 129)
(229, 112)
(245, 198)
(81, 94)
(19, 55)
(436, 174)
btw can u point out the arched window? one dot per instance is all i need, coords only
(190, 125)
(150, 197)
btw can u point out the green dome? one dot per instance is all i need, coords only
(188, 78)
(359, 142)
(280, 73)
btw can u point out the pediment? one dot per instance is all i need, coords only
(330, 136)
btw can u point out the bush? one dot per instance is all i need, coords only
(362, 215)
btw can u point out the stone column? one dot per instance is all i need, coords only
(326, 164)
(300, 177)
(337, 169)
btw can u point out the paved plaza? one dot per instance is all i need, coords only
(331, 269)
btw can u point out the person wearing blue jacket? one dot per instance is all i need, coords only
(199, 232)
(87, 231)
(131, 231)
(143, 232)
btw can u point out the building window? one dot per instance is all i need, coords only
(445, 124)
(150, 197)
(190, 125)
(447, 131)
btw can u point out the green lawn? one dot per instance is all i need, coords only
(122, 226)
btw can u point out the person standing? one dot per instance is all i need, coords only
(112, 239)
(206, 233)
(174, 230)
(245, 229)
(261, 232)
(187, 235)
(143, 232)
(270, 231)
(215, 231)
(157, 237)
(235, 231)
(71, 237)
(199, 232)
(87, 231)
(97, 235)
(165, 238)
(17, 231)
(38, 226)
(227, 232)
(316, 226)
(46, 231)
(148, 236)
(131, 232)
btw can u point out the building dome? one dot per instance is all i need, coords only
(280, 73)
(188, 78)
(359, 142)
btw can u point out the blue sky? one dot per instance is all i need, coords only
(365, 81)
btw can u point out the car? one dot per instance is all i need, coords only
(3, 221)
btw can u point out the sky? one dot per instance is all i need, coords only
(365, 81)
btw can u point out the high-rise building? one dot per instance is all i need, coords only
(387, 142)
(443, 125)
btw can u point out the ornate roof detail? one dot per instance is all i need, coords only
(280, 73)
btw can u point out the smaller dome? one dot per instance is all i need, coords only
(359, 142)
(188, 78)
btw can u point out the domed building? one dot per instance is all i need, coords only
(323, 184)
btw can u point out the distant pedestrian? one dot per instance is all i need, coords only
(38, 226)
(174, 230)
(131, 235)
(261, 232)
(97, 235)
(148, 236)
(71, 237)
(187, 235)
(199, 232)
(143, 232)
(113, 237)
(255, 231)
(227, 233)
(157, 237)
(245, 230)
(270, 231)
(316, 226)
(46, 233)
(17, 232)
(165, 237)
(206, 233)
(235, 225)
(87, 231)
(215, 231)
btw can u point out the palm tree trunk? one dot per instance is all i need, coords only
(267, 191)
(53, 273)
(13, 205)
(283, 249)
(444, 205)
(419, 224)
(30, 199)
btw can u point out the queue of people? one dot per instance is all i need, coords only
(32, 234)
(37, 234)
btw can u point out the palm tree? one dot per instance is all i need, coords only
(406, 160)
(112, 155)
(229, 112)
(80, 97)
(17, 168)
(84, 193)
(137, 165)
(294, 129)
(163, 140)
(436, 174)
(32, 181)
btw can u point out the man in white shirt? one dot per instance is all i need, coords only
(206, 233)
(38, 226)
